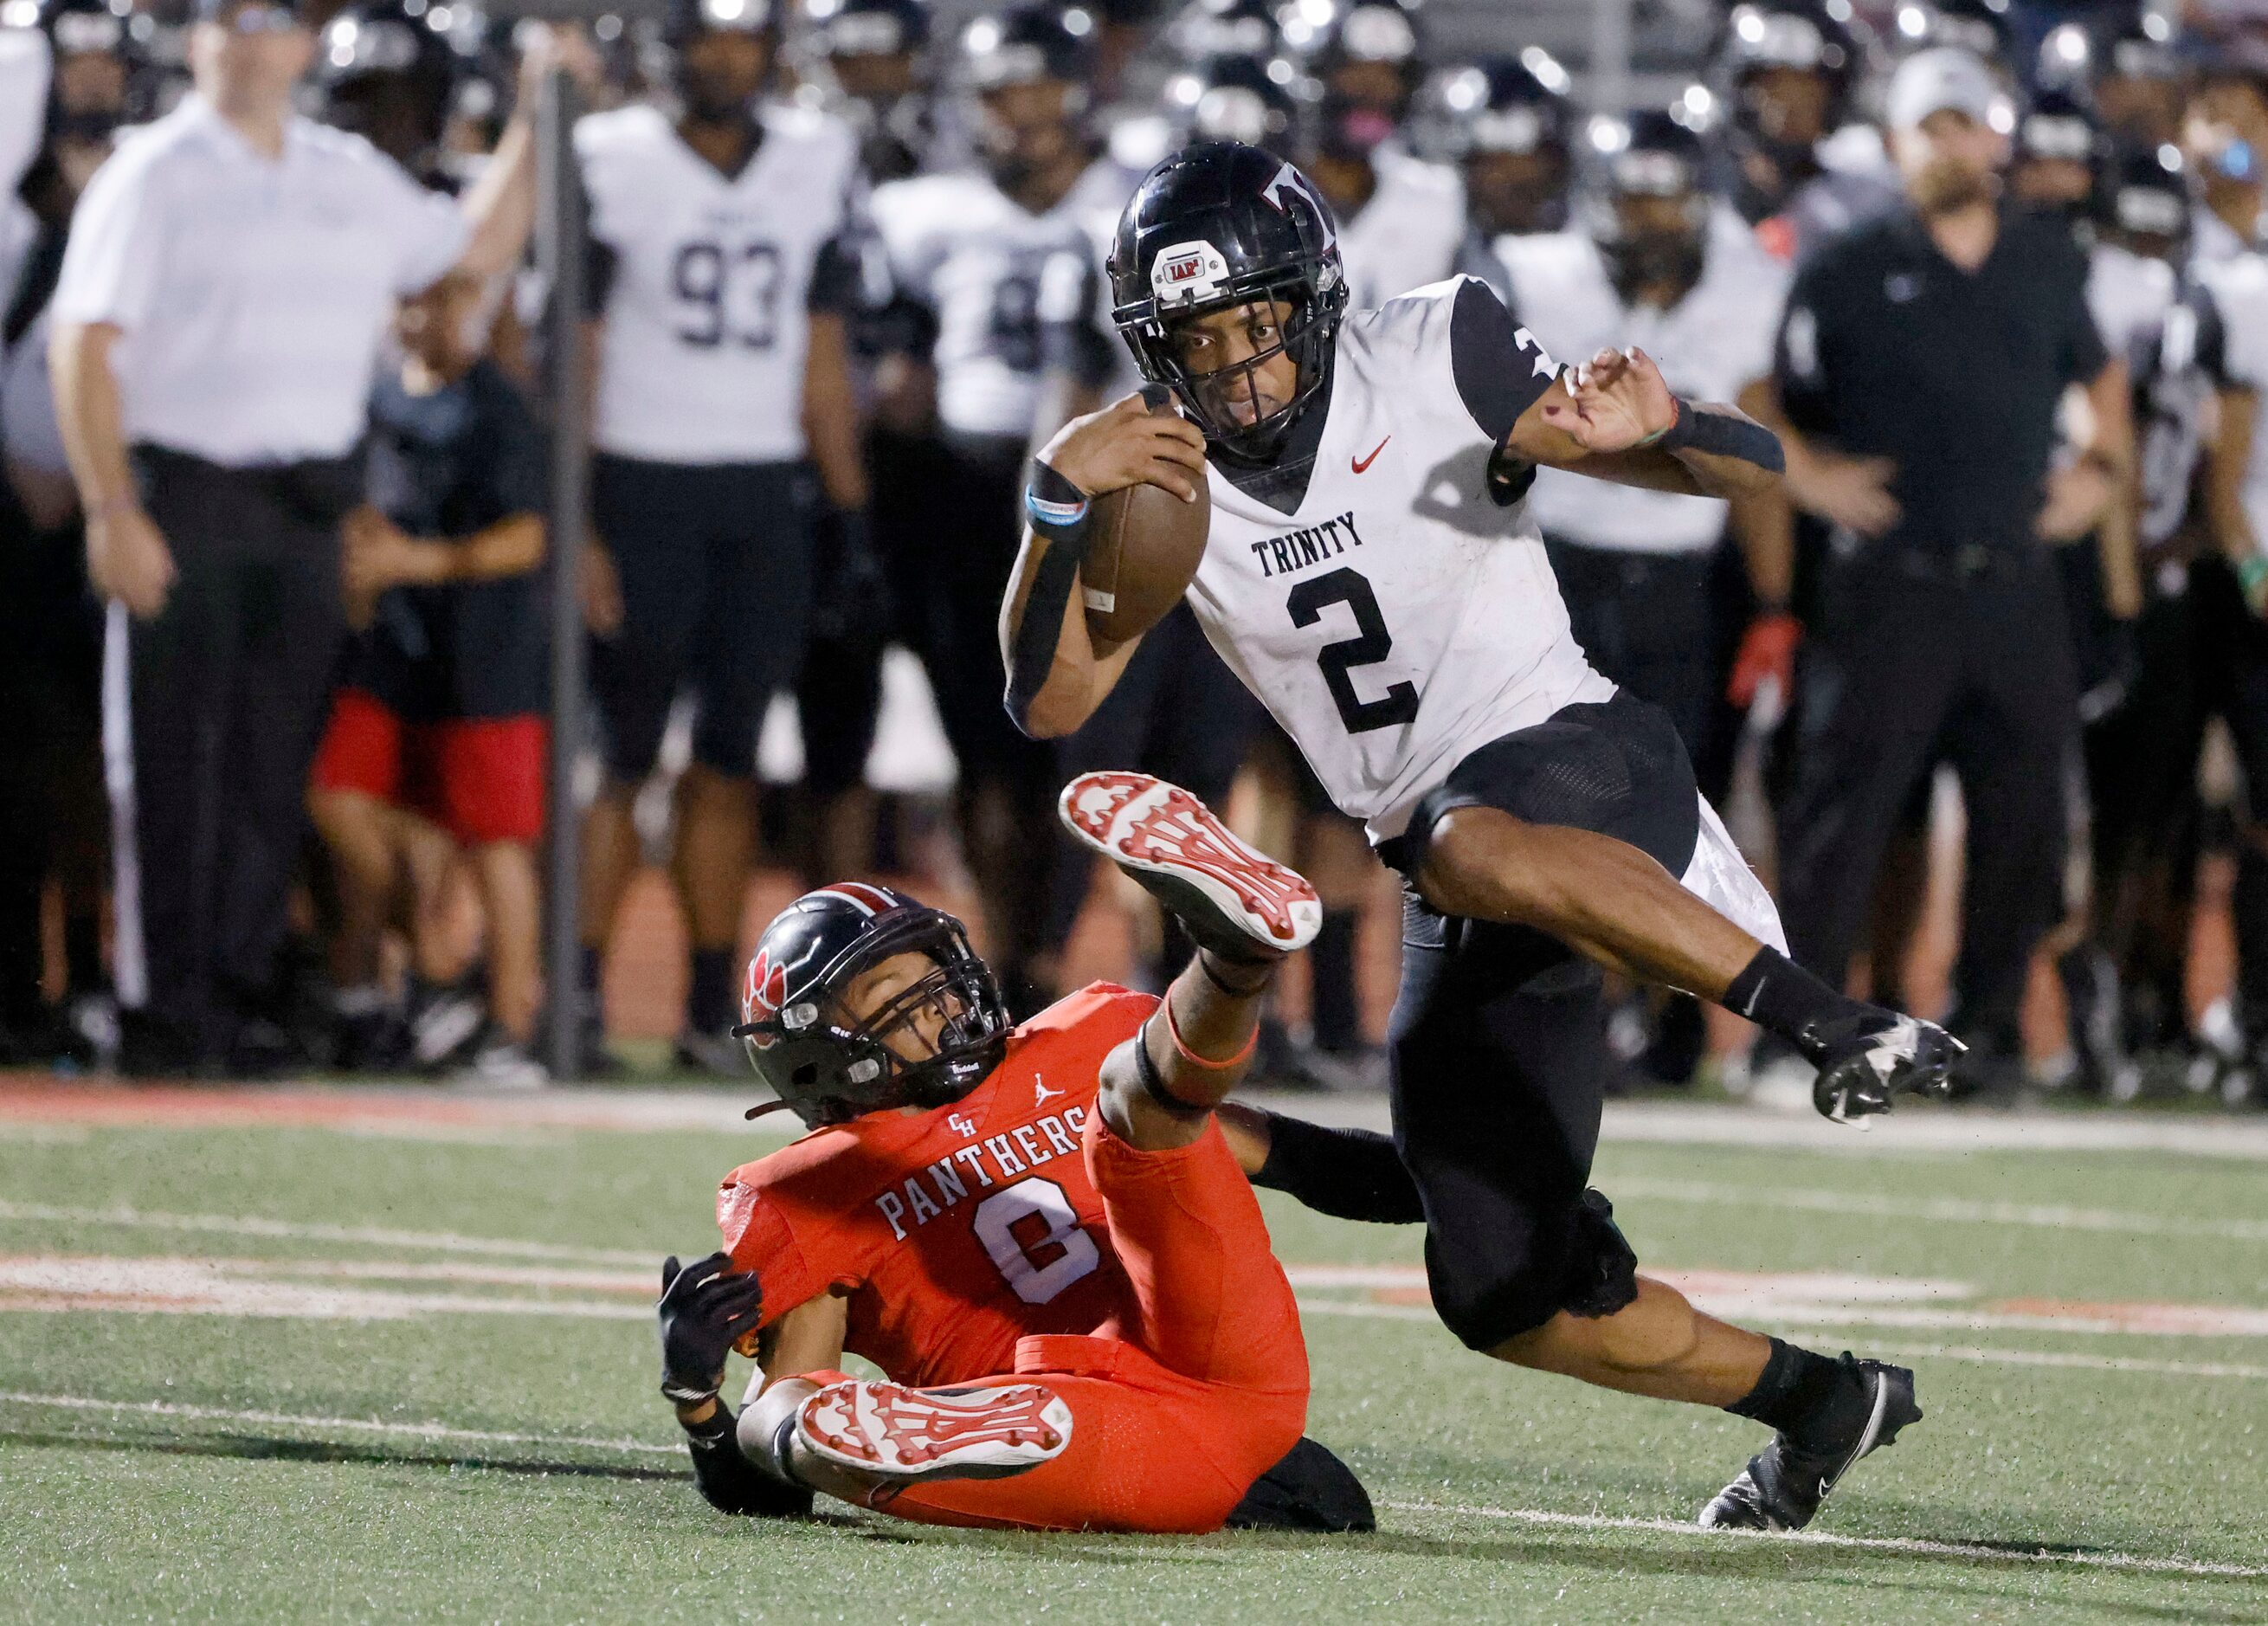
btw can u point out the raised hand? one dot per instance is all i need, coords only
(705, 1309)
(1616, 400)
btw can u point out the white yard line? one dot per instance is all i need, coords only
(1959, 1210)
(253, 1225)
(1820, 1538)
(363, 1425)
(1527, 1516)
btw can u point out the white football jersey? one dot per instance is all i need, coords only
(707, 321)
(1407, 236)
(2128, 294)
(1711, 345)
(1398, 619)
(2239, 287)
(977, 259)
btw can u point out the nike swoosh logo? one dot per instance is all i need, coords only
(1361, 463)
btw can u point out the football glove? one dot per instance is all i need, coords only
(706, 1308)
(1867, 1060)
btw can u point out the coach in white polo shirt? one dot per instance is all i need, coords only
(231, 277)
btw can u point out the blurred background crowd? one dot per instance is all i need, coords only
(279, 428)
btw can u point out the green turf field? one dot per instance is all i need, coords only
(405, 1369)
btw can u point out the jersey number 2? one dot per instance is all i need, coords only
(1372, 644)
(1032, 1235)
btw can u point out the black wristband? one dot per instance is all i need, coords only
(728, 1482)
(1781, 997)
(1347, 1173)
(1053, 505)
(1722, 434)
(1153, 1083)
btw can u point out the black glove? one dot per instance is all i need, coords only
(705, 1309)
(1867, 1060)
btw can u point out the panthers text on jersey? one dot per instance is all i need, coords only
(977, 259)
(1711, 345)
(708, 281)
(955, 1232)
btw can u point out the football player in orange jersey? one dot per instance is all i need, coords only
(1045, 1238)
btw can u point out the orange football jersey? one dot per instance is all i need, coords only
(958, 1231)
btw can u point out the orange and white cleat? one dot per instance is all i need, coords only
(1234, 901)
(905, 1436)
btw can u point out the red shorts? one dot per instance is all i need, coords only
(480, 779)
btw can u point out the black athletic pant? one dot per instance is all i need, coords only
(1177, 712)
(211, 713)
(1917, 657)
(2200, 653)
(1665, 627)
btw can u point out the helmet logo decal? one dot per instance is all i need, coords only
(1289, 177)
(1187, 274)
(762, 995)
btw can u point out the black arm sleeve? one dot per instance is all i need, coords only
(1347, 1173)
(730, 1482)
(838, 278)
(1499, 367)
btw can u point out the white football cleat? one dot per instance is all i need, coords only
(887, 1431)
(1238, 903)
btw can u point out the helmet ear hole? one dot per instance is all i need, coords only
(807, 1076)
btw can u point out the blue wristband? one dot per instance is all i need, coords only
(1056, 508)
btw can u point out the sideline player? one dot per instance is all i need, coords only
(1373, 576)
(1047, 1223)
(727, 251)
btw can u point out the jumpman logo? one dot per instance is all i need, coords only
(1041, 1092)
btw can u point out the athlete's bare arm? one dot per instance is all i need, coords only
(807, 1339)
(1614, 418)
(1199, 1046)
(1124, 444)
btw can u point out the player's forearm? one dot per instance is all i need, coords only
(830, 414)
(1727, 452)
(2229, 458)
(500, 206)
(1045, 647)
(510, 546)
(89, 416)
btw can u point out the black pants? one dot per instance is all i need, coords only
(211, 711)
(715, 563)
(1178, 713)
(1498, 1038)
(1665, 627)
(1916, 658)
(2200, 653)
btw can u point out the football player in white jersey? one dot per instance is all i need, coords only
(725, 253)
(971, 248)
(1372, 574)
(1654, 585)
(1505, 125)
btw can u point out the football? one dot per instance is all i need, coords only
(1143, 553)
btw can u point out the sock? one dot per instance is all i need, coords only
(1781, 997)
(709, 1010)
(1797, 1386)
(1334, 1011)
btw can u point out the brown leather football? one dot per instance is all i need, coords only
(1143, 553)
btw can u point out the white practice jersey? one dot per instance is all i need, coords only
(1398, 618)
(1407, 236)
(708, 320)
(2128, 295)
(1711, 345)
(977, 259)
(2239, 287)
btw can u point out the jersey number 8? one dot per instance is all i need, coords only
(733, 293)
(1032, 1235)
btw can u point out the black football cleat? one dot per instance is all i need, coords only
(1784, 1484)
(1874, 1060)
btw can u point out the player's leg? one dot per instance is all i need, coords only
(646, 513)
(1580, 828)
(357, 772)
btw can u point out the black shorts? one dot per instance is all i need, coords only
(1499, 1037)
(715, 563)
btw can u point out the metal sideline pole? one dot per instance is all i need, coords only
(1611, 55)
(559, 231)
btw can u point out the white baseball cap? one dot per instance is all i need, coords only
(1944, 78)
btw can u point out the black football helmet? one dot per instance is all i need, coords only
(388, 77)
(96, 56)
(1206, 29)
(1234, 98)
(1775, 38)
(826, 1070)
(1369, 59)
(2060, 152)
(1026, 43)
(1981, 27)
(869, 27)
(2146, 203)
(1220, 225)
(1506, 121)
(1648, 209)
